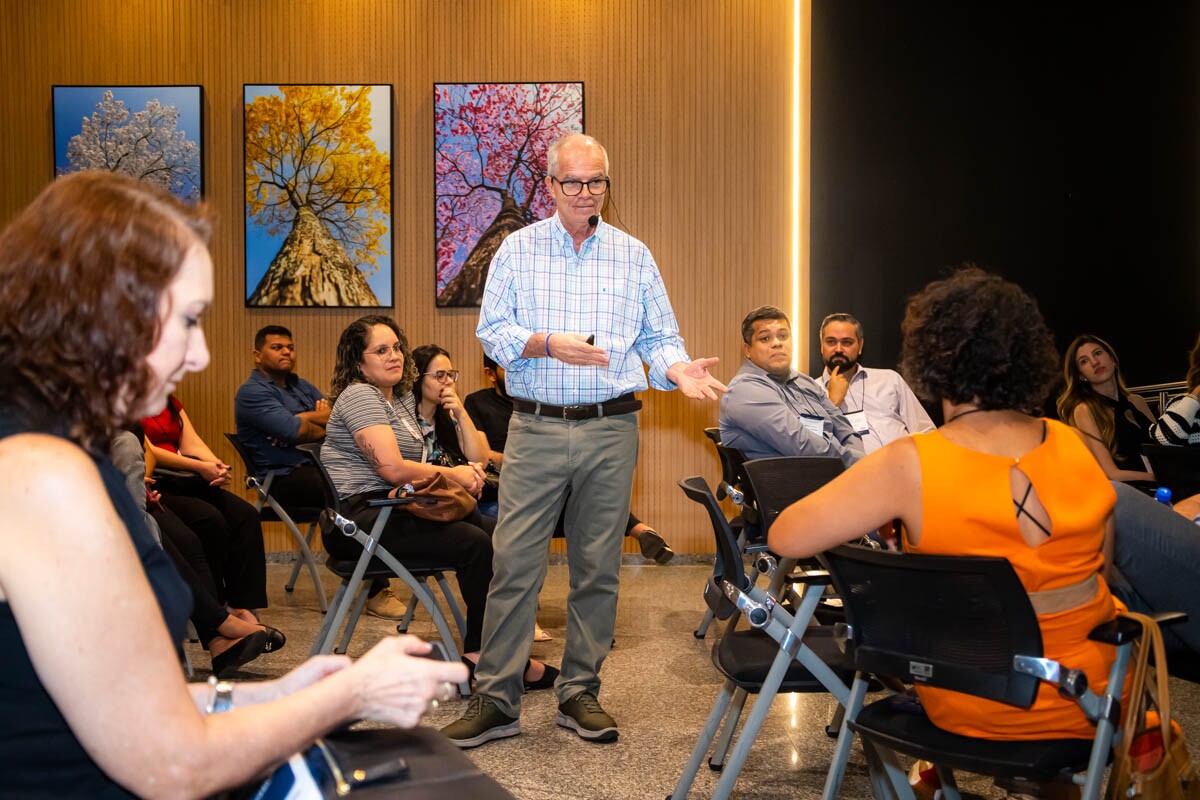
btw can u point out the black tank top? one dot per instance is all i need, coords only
(39, 755)
(1131, 431)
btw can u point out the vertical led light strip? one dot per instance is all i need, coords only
(797, 322)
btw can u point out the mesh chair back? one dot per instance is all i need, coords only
(243, 453)
(954, 622)
(779, 482)
(313, 451)
(696, 488)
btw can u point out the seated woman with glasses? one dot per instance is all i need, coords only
(105, 280)
(451, 437)
(994, 480)
(374, 443)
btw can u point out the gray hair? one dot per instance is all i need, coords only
(570, 138)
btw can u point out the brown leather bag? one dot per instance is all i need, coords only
(437, 498)
(1151, 760)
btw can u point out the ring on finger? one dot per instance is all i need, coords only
(448, 692)
(433, 704)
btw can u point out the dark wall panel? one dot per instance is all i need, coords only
(1056, 146)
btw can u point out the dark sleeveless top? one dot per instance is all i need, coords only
(39, 755)
(1132, 430)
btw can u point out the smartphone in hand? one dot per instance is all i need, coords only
(438, 653)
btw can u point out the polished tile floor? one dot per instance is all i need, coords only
(658, 683)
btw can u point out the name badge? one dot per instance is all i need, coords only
(858, 421)
(812, 424)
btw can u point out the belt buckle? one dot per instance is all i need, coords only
(574, 413)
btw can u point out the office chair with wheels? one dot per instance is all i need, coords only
(780, 652)
(271, 510)
(965, 624)
(376, 562)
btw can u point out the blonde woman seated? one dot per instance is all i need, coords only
(105, 280)
(375, 442)
(992, 481)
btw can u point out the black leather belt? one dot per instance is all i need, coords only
(625, 404)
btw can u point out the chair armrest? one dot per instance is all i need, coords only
(1117, 631)
(401, 501)
(813, 577)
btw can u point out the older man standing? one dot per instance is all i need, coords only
(571, 309)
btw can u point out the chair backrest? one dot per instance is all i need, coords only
(313, 451)
(954, 622)
(696, 489)
(243, 453)
(1176, 467)
(782, 480)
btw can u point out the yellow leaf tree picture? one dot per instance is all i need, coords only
(318, 195)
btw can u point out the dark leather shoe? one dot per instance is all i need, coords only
(545, 682)
(275, 640)
(654, 547)
(243, 651)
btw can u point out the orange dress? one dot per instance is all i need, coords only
(968, 509)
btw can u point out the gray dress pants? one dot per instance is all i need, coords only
(587, 464)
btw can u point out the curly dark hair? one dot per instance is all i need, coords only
(84, 269)
(976, 337)
(352, 344)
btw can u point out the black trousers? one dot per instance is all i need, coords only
(232, 535)
(415, 542)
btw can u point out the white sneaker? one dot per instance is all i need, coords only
(386, 605)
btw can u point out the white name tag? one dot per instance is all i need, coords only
(858, 421)
(814, 425)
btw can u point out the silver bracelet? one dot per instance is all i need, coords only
(221, 699)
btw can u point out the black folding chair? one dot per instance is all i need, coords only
(271, 510)
(964, 624)
(1176, 467)
(376, 562)
(781, 652)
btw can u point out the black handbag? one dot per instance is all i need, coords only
(374, 763)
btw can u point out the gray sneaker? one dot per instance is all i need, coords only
(583, 714)
(482, 722)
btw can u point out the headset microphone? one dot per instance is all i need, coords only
(593, 220)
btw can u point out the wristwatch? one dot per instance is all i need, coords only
(221, 699)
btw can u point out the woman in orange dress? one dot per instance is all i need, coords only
(994, 480)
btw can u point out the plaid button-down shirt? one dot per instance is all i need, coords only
(537, 283)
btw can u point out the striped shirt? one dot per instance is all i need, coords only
(1179, 424)
(611, 288)
(361, 405)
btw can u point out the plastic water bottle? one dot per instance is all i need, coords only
(1163, 495)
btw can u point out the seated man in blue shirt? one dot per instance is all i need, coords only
(773, 410)
(275, 410)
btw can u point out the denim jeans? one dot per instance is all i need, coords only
(1157, 558)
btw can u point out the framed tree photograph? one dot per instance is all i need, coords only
(490, 142)
(150, 132)
(318, 195)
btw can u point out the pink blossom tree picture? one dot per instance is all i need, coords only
(490, 142)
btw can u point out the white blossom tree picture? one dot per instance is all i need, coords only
(150, 132)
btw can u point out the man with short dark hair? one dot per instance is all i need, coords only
(275, 410)
(876, 401)
(774, 410)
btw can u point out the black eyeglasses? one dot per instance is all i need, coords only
(573, 187)
(442, 374)
(383, 351)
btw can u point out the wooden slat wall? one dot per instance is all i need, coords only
(691, 97)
